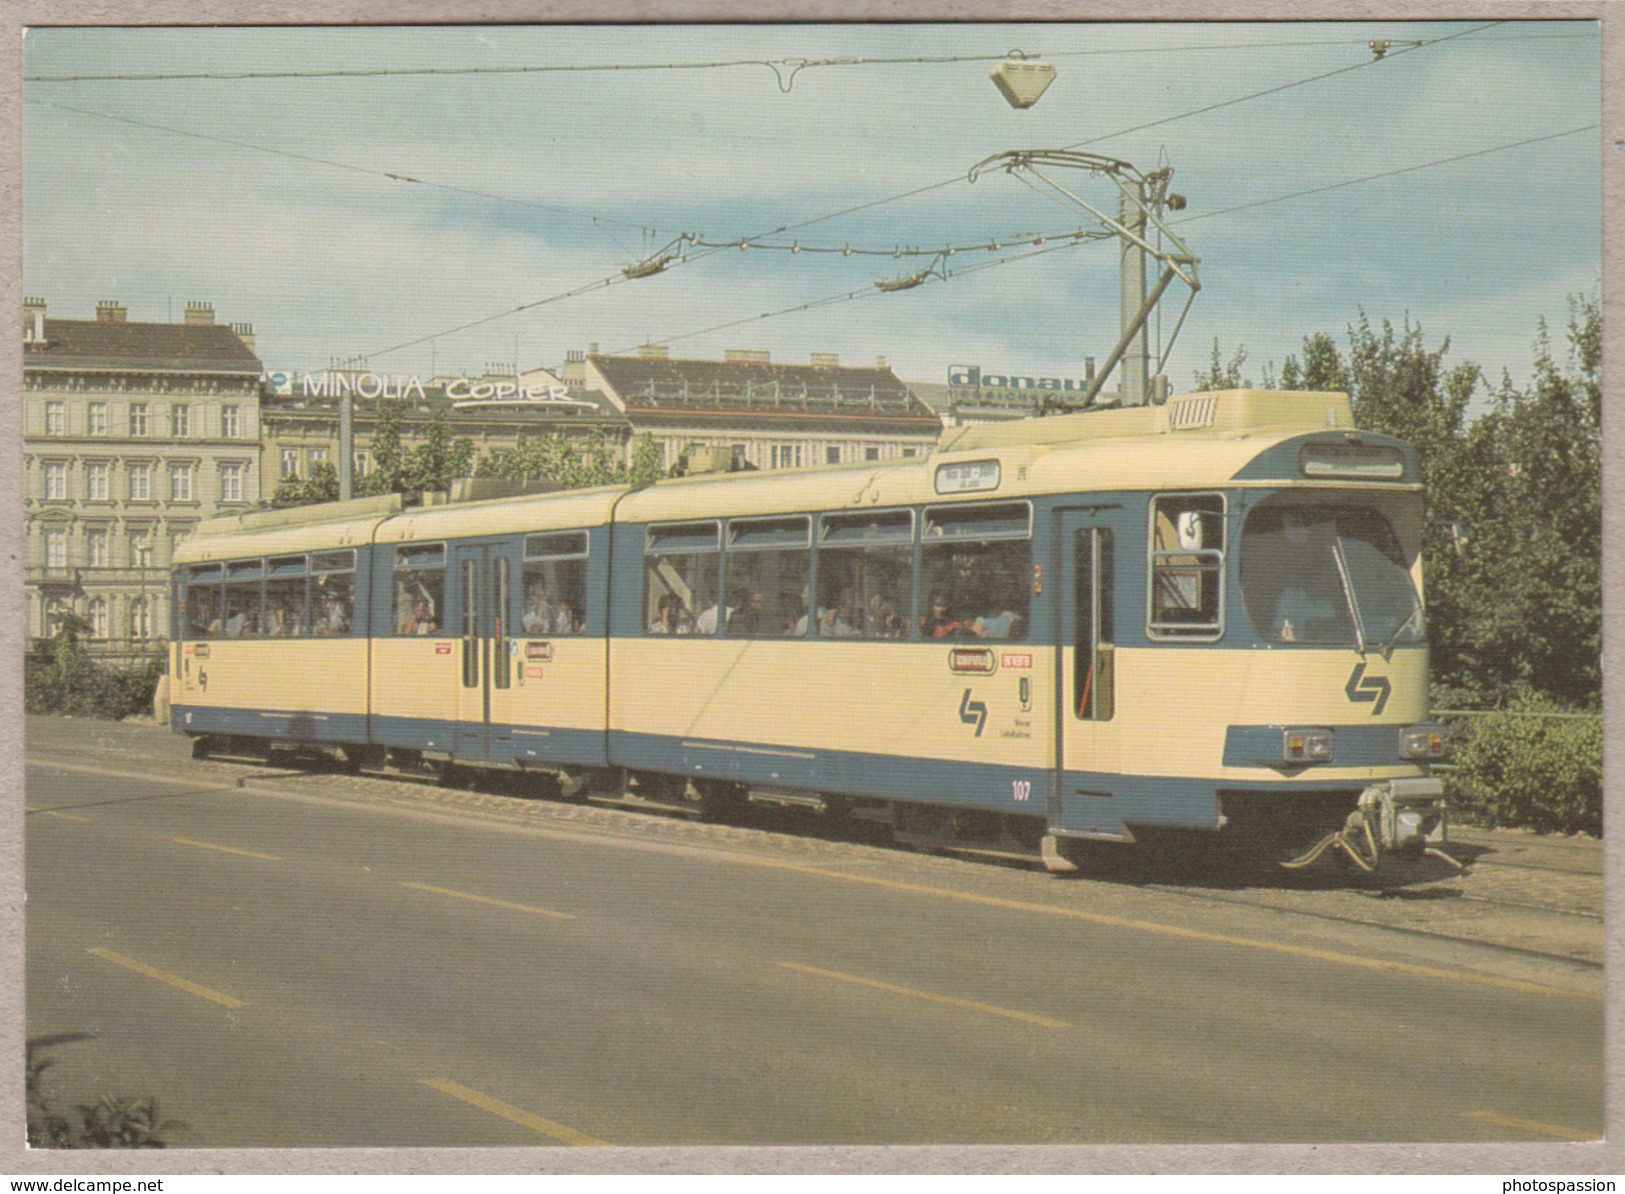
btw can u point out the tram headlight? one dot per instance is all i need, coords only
(1425, 740)
(1304, 744)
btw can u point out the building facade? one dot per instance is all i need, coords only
(132, 434)
(773, 416)
(300, 416)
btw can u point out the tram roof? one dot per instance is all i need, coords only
(1194, 440)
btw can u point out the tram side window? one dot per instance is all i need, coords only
(976, 565)
(244, 598)
(865, 574)
(554, 590)
(332, 592)
(285, 597)
(420, 589)
(769, 565)
(682, 565)
(203, 601)
(1187, 566)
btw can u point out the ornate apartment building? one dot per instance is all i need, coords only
(132, 433)
(773, 415)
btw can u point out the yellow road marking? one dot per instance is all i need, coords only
(186, 841)
(182, 984)
(1151, 926)
(479, 899)
(910, 991)
(1529, 1125)
(51, 812)
(514, 1114)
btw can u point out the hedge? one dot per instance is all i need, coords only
(1525, 768)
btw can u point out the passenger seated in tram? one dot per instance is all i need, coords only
(539, 617)
(668, 617)
(421, 620)
(940, 624)
(750, 618)
(1001, 623)
(708, 620)
(843, 620)
(884, 621)
(284, 621)
(565, 619)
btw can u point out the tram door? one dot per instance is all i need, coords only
(483, 576)
(1085, 680)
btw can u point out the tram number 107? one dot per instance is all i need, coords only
(1021, 789)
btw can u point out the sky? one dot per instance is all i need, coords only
(272, 198)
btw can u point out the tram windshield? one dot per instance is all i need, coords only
(1327, 575)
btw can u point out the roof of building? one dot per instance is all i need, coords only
(741, 390)
(98, 344)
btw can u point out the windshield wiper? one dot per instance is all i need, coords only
(1348, 592)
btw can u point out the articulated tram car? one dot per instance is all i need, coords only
(1199, 616)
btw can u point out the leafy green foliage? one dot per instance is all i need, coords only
(1520, 769)
(109, 1122)
(573, 462)
(59, 676)
(321, 486)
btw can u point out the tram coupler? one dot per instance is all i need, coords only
(1403, 817)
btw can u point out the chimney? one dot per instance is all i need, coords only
(880, 362)
(199, 315)
(592, 349)
(245, 333)
(748, 356)
(654, 352)
(33, 321)
(826, 360)
(107, 312)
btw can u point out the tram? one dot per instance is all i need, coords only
(1203, 617)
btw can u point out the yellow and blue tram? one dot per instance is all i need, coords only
(1194, 616)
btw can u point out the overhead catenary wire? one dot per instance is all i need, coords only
(868, 292)
(376, 172)
(798, 63)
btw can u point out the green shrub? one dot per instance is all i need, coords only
(59, 677)
(1517, 770)
(109, 1122)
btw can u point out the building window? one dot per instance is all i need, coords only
(51, 617)
(358, 462)
(231, 482)
(832, 455)
(56, 480)
(138, 419)
(180, 482)
(56, 418)
(96, 418)
(871, 453)
(786, 456)
(230, 426)
(180, 421)
(96, 473)
(56, 548)
(96, 614)
(140, 482)
(909, 451)
(290, 463)
(140, 618)
(96, 547)
(317, 456)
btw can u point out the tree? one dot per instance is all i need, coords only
(1222, 375)
(388, 456)
(321, 486)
